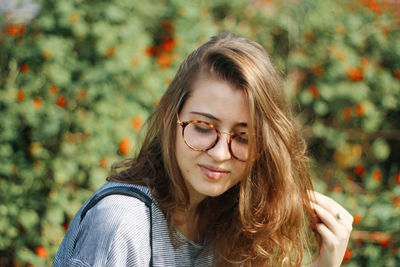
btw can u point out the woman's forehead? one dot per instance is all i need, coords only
(219, 98)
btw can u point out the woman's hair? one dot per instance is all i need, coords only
(265, 219)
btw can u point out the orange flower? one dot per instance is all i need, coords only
(24, 68)
(152, 50)
(347, 113)
(103, 163)
(355, 74)
(168, 44)
(20, 96)
(41, 252)
(348, 254)
(398, 178)
(61, 101)
(313, 90)
(110, 51)
(37, 103)
(73, 18)
(359, 170)
(12, 29)
(396, 74)
(317, 70)
(360, 110)
(124, 145)
(137, 122)
(53, 89)
(164, 61)
(357, 218)
(377, 175)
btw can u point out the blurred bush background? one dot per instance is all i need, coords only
(79, 77)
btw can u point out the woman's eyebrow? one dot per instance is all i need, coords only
(210, 116)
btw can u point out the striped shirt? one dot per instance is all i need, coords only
(116, 232)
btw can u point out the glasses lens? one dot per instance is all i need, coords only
(240, 146)
(200, 136)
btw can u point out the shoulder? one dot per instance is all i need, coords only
(115, 228)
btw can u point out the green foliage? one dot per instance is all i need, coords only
(78, 80)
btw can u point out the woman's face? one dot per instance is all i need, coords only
(212, 172)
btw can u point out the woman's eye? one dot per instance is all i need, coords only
(243, 139)
(202, 128)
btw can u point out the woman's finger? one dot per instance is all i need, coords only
(327, 218)
(331, 205)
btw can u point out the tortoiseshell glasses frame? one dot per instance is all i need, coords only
(231, 136)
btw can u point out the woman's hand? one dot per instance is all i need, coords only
(335, 225)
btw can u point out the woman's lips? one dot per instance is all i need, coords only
(213, 173)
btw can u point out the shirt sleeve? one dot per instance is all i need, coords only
(131, 244)
(115, 232)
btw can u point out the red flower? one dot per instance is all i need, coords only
(37, 103)
(384, 242)
(360, 110)
(398, 177)
(357, 218)
(12, 29)
(24, 68)
(168, 44)
(152, 50)
(20, 96)
(359, 170)
(355, 74)
(61, 101)
(41, 252)
(348, 254)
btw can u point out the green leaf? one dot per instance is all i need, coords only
(381, 149)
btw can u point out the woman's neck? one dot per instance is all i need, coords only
(190, 224)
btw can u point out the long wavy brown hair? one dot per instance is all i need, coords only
(265, 220)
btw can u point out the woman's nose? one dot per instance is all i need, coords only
(220, 152)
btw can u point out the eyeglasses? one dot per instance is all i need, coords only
(202, 136)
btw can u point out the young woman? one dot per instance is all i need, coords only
(221, 175)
